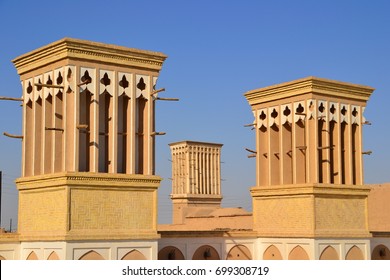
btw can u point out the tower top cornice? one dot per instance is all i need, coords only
(75, 49)
(195, 143)
(309, 85)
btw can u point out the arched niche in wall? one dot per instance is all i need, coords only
(170, 253)
(298, 253)
(32, 256)
(272, 253)
(206, 252)
(53, 257)
(380, 252)
(91, 256)
(354, 254)
(329, 253)
(239, 252)
(134, 255)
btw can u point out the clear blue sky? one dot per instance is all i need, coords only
(217, 50)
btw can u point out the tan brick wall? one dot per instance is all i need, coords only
(379, 208)
(88, 206)
(284, 216)
(340, 214)
(311, 211)
(111, 210)
(42, 211)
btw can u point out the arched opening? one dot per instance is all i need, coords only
(263, 164)
(272, 253)
(300, 152)
(134, 255)
(322, 153)
(91, 256)
(124, 128)
(47, 136)
(105, 130)
(141, 135)
(286, 154)
(58, 137)
(28, 140)
(345, 150)
(298, 253)
(334, 152)
(380, 252)
(53, 257)
(38, 133)
(85, 119)
(170, 253)
(354, 254)
(329, 254)
(32, 256)
(275, 155)
(239, 252)
(206, 252)
(355, 154)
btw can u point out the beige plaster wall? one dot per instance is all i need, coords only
(379, 208)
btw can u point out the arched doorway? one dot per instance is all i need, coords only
(354, 254)
(329, 254)
(206, 252)
(53, 257)
(298, 253)
(380, 252)
(170, 253)
(239, 252)
(32, 256)
(91, 256)
(272, 253)
(134, 255)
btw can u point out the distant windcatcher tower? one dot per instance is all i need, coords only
(309, 177)
(196, 177)
(88, 145)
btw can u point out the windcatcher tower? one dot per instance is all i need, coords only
(196, 178)
(88, 143)
(309, 167)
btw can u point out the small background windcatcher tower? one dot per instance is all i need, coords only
(309, 176)
(88, 142)
(196, 178)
